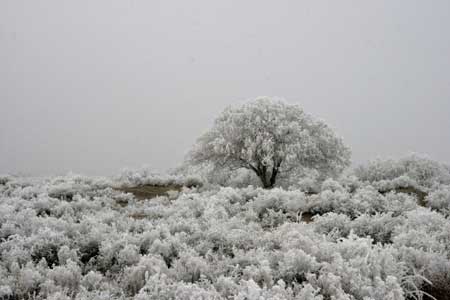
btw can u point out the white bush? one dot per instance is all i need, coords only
(410, 171)
(220, 243)
(144, 176)
(440, 199)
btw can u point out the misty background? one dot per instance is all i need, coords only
(96, 86)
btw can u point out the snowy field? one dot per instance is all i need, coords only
(75, 237)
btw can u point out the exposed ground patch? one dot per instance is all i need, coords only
(149, 191)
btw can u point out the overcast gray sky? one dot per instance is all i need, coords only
(95, 86)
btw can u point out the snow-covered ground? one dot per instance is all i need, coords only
(75, 237)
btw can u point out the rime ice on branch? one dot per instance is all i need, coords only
(272, 138)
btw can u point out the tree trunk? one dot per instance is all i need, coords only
(261, 172)
(268, 183)
(273, 177)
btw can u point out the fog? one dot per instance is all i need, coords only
(96, 86)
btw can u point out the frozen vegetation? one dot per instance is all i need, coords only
(145, 176)
(271, 139)
(260, 210)
(72, 237)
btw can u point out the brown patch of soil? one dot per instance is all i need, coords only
(149, 191)
(138, 216)
(307, 217)
(441, 293)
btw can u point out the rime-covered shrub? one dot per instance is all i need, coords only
(65, 254)
(4, 179)
(280, 200)
(220, 243)
(27, 280)
(426, 230)
(66, 187)
(295, 264)
(333, 224)
(252, 291)
(135, 277)
(189, 267)
(364, 200)
(129, 255)
(92, 281)
(379, 227)
(410, 171)
(439, 199)
(46, 246)
(145, 176)
(88, 250)
(67, 276)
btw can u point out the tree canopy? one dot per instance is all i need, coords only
(270, 137)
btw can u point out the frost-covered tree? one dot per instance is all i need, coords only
(271, 137)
